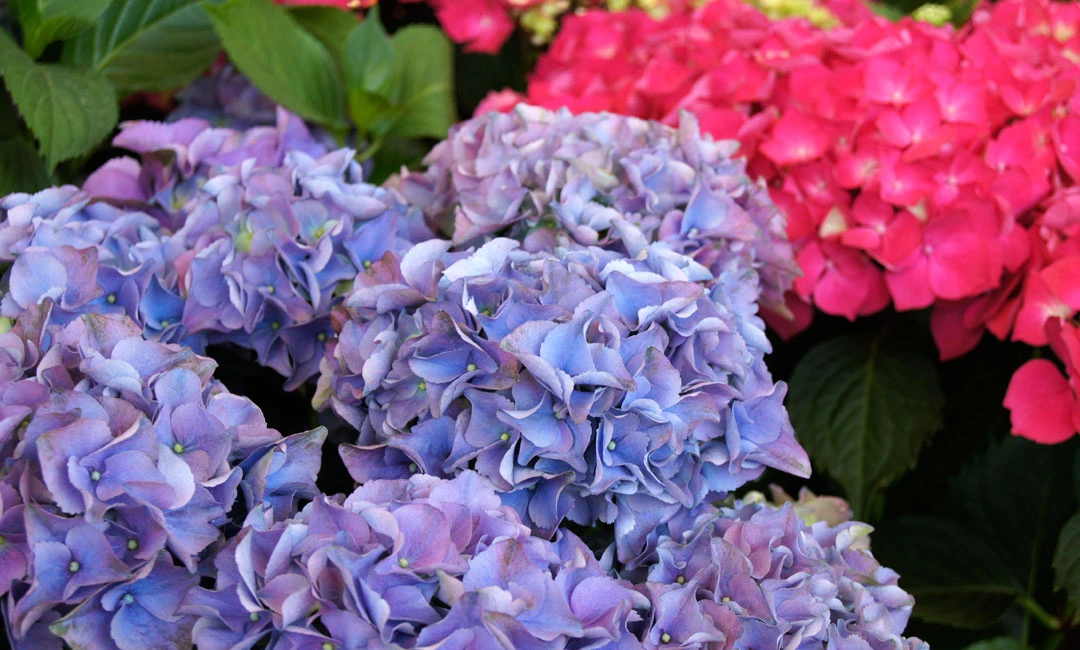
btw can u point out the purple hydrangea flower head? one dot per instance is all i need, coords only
(122, 460)
(755, 575)
(420, 562)
(537, 176)
(216, 236)
(582, 385)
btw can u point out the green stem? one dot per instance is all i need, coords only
(371, 150)
(1028, 604)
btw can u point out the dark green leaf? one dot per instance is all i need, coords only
(954, 575)
(427, 82)
(999, 643)
(393, 155)
(328, 24)
(886, 10)
(288, 64)
(45, 21)
(147, 45)
(21, 169)
(373, 76)
(1067, 559)
(69, 111)
(863, 408)
(1017, 496)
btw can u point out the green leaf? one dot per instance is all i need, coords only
(427, 82)
(45, 21)
(1067, 559)
(1017, 496)
(68, 111)
(288, 64)
(373, 76)
(147, 45)
(999, 643)
(863, 408)
(21, 168)
(886, 10)
(955, 577)
(328, 24)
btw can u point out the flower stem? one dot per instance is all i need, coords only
(1028, 604)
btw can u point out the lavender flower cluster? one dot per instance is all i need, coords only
(541, 176)
(215, 236)
(757, 576)
(585, 347)
(122, 459)
(421, 562)
(583, 384)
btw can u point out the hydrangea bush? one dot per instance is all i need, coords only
(527, 354)
(503, 382)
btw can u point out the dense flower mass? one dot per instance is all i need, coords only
(583, 384)
(952, 190)
(485, 25)
(757, 576)
(422, 562)
(122, 460)
(224, 236)
(606, 180)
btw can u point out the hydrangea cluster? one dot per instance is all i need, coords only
(602, 179)
(757, 576)
(585, 346)
(222, 236)
(950, 190)
(422, 562)
(122, 459)
(582, 384)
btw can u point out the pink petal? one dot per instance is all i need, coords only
(1040, 403)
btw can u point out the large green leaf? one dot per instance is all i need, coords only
(45, 21)
(373, 76)
(69, 111)
(1017, 496)
(427, 82)
(147, 45)
(287, 63)
(1067, 559)
(863, 408)
(955, 577)
(328, 24)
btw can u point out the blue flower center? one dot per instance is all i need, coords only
(133, 544)
(111, 298)
(74, 566)
(177, 448)
(95, 476)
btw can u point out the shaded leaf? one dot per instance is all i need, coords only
(69, 111)
(999, 643)
(1017, 496)
(863, 408)
(45, 21)
(1067, 559)
(287, 63)
(955, 577)
(147, 45)
(21, 169)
